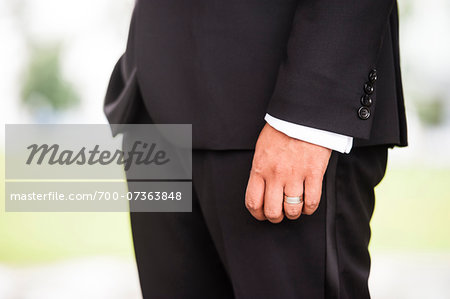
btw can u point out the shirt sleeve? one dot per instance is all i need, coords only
(333, 141)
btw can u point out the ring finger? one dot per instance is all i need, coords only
(293, 209)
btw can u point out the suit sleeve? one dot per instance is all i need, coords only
(327, 79)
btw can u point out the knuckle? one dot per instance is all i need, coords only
(278, 169)
(272, 213)
(311, 206)
(292, 212)
(252, 205)
(257, 169)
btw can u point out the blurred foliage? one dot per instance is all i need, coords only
(406, 9)
(43, 85)
(431, 112)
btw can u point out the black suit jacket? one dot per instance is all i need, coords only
(221, 65)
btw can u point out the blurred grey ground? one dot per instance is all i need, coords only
(410, 276)
(400, 276)
(87, 278)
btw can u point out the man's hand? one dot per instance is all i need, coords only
(284, 166)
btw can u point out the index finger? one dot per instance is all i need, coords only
(254, 196)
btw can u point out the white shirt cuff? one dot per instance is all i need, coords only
(333, 141)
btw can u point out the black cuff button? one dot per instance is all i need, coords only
(373, 76)
(368, 88)
(364, 113)
(366, 100)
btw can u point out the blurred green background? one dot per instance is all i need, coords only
(28, 237)
(412, 214)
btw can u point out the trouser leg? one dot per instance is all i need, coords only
(184, 255)
(324, 255)
(357, 175)
(176, 257)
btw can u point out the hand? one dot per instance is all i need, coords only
(284, 166)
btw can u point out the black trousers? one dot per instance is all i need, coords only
(219, 251)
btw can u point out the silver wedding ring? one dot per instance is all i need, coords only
(293, 199)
